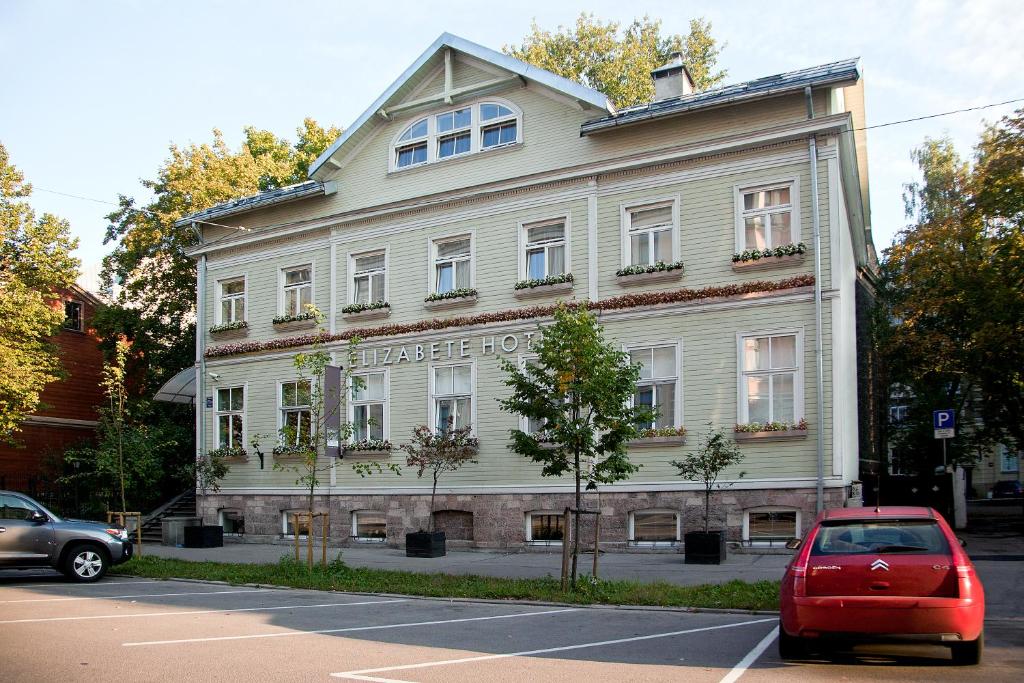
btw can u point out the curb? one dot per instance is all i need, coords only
(485, 601)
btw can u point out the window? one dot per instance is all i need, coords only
(770, 525)
(297, 289)
(73, 315)
(233, 522)
(368, 407)
(770, 382)
(765, 216)
(898, 414)
(500, 125)
(654, 527)
(544, 527)
(295, 412)
(452, 396)
(232, 300)
(899, 464)
(453, 132)
(453, 259)
(370, 526)
(231, 417)
(13, 507)
(658, 386)
(287, 523)
(1009, 461)
(530, 425)
(369, 278)
(544, 249)
(412, 147)
(858, 537)
(650, 234)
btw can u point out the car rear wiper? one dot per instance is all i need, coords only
(900, 549)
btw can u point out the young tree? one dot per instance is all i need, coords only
(619, 62)
(579, 388)
(439, 452)
(717, 453)
(35, 263)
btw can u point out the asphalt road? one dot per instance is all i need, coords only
(142, 630)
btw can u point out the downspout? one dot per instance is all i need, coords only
(200, 399)
(819, 352)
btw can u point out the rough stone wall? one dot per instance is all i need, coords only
(499, 520)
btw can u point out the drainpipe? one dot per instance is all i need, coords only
(200, 400)
(819, 353)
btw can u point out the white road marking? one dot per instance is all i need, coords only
(118, 597)
(361, 674)
(751, 657)
(60, 582)
(204, 611)
(350, 629)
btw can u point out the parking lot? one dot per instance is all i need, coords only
(144, 630)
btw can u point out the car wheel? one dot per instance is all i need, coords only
(85, 563)
(969, 653)
(790, 647)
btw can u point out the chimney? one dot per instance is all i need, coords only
(672, 79)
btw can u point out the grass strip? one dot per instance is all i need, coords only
(337, 576)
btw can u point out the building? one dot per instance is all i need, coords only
(474, 172)
(67, 415)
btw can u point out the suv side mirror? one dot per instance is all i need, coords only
(793, 543)
(39, 518)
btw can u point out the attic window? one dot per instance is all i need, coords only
(471, 128)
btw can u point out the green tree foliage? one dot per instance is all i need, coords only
(579, 388)
(618, 61)
(717, 453)
(35, 264)
(953, 295)
(156, 302)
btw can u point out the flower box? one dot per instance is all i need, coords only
(367, 449)
(229, 332)
(290, 325)
(761, 437)
(767, 263)
(639, 279)
(657, 441)
(366, 453)
(367, 314)
(543, 290)
(453, 302)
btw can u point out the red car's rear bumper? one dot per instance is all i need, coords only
(853, 616)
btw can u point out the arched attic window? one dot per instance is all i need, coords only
(461, 131)
(412, 145)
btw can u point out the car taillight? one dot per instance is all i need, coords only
(799, 570)
(964, 571)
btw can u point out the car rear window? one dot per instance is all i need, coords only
(860, 537)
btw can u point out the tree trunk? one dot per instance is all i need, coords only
(707, 509)
(576, 524)
(433, 491)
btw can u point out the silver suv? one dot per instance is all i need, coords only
(31, 537)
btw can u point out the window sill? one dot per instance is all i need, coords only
(290, 457)
(543, 290)
(365, 453)
(760, 437)
(369, 541)
(656, 441)
(237, 460)
(237, 333)
(646, 278)
(368, 314)
(768, 263)
(394, 171)
(442, 304)
(292, 325)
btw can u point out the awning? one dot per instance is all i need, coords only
(179, 389)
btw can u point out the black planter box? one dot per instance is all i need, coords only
(704, 548)
(425, 544)
(204, 537)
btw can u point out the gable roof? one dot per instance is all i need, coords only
(433, 56)
(847, 70)
(261, 200)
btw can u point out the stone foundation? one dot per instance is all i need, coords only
(499, 520)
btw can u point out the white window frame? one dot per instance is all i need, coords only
(81, 315)
(217, 413)
(283, 289)
(677, 418)
(432, 399)
(285, 518)
(352, 271)
(524, 228)
(521, 360)
(528, 521)
(654, 544)
(281, 408)
(454, 132)
(354, 517)
(1005, 455)
(221, 517)
(475, 138)
(352, 403)
(792, 182)
(746, 524)
(432, 243)
(625, 220)
(742, 414)
(218, 313)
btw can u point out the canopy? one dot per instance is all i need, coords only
(179, 389)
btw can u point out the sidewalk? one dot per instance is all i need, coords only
(646, 567)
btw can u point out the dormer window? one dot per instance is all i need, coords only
(471, 128)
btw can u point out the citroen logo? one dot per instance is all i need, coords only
(879, 564)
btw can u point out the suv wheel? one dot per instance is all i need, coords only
(969, 653)
(85, 563)
(790, 647)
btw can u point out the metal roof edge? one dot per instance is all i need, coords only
(253, 202)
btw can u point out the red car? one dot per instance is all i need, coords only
(889, 573)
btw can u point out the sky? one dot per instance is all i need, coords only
(93, 92)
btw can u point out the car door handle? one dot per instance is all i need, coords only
(3, 529)
(880, 586)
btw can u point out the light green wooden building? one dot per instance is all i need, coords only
(474, 172)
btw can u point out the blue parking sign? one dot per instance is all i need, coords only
(944, 422)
